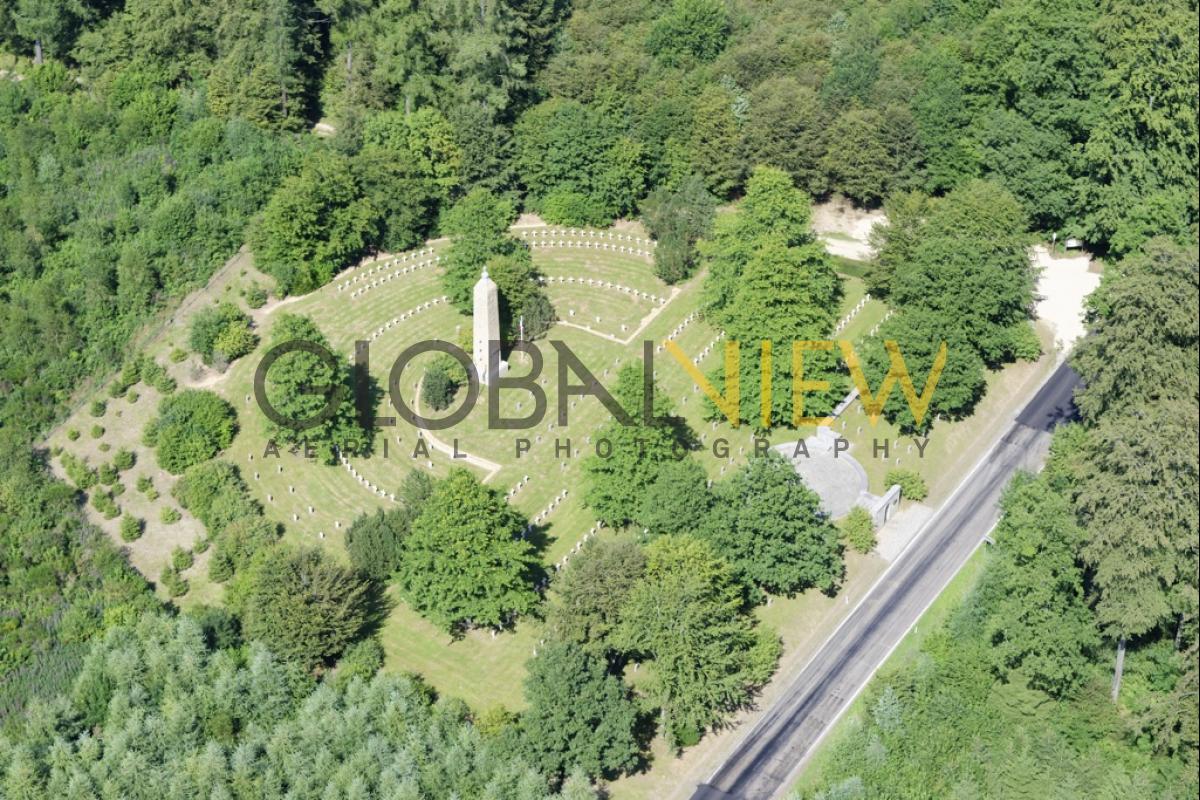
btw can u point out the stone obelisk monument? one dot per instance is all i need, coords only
(486, 322)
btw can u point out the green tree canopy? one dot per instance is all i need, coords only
(689, 615)
(614, 484)
(773, 209)
(192, 426)
(677, 218)
(316, 224)
(578, 715)
(1038, 622)
(300, 384)
(563, 147)
(304, 606)
(465, 562)
(588, 596)
(788, 128)
(690, 29)
(677, 500)
(857, 161)
(1139, 503)
(972, 268)
(770, 528)
(1144, 334)
(478, 228)
(137, 679)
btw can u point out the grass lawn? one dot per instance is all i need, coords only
(902, 658)
(847, 266)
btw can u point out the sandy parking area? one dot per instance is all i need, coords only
(1062, 289)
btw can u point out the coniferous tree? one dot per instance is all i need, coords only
(303, 606)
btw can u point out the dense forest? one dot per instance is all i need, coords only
(142, 143)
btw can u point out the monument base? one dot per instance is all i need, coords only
(485, 378)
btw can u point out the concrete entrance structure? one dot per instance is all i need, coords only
(837, 477)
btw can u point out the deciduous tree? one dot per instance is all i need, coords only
(578, 715)
(770, 527)
(688, 614)
(465, 562)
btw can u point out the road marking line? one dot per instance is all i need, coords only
(887, 571)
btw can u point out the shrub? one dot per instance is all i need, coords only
(144, 484)
(174, 583)
(191, 427)
(97, 431)
(912, 485)
(124, 459)
(170, 515)
(152, 494)
(222, 329)
(177, 355)
(115, 389)
(181, 559)
(202, 544)
(1025, 343)
(73, 434)
(859, 530)
(117, 489)
(108, 474)
(131, 372)
(104, 447)
(256, 296)
(83, 476)
(98, 408)
(156, 375)
(132, 396)
(234, 341)
(105, 505)
(131, 528)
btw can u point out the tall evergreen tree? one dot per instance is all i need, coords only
(1037, 620)
(303, 606)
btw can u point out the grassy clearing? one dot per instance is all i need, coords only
(848, 266)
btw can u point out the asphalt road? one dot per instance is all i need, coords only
(766, 761)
